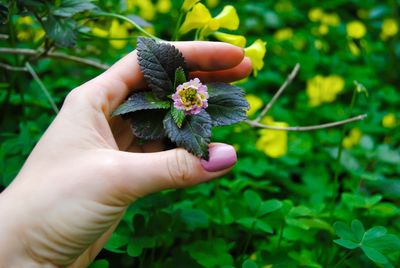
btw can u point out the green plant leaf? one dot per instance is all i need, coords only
(358, 229)
(61, 31)
(212, 253)
(68, 8)
(268, 207)
(158, 62)
(249, 264)
(148, 124)
(180, 77)
(100, 264)
(226, 104)
(253, 200)
(141, 101)
(194, 135)
(344, 232)
(346, 243)
(178, 116)
(374, 255)
(194, 218)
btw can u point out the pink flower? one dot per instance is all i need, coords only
(191, 97)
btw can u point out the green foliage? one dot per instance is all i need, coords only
(267, 211)
(375, 242)
(141, 101)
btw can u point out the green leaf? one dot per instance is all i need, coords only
(253, 200)
(358, 229)
(61, 31)
(194, 135)
(100, 264)
(141, 101)
(158, 62)
(268, 207)
(194, 218)
(180, 77)
(249, 264)
(374, 255)
(346, 243)
(226, 104)
(148, 124)
(115, 242)
(178, 116)
(212, 253)
(344, 232)
(68, 8)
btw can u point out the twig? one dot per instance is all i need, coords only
(42, 86)
(13, 68)
(308, 128)
(4, 36)
(56, 55)
(288, 81)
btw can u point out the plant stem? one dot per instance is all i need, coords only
(287, 82)
(249, 237)
(56, 55)
(308, 128)
(336, 185)
(42, 87)
(347, 255)
(121, 17)
(178, 25)
(280, 235)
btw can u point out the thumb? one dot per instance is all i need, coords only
(146, 173)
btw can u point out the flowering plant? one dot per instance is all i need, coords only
(181, 110)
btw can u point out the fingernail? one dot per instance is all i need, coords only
(221, 156)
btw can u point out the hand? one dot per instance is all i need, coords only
(87, 168)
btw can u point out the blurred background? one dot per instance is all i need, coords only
(291, 198)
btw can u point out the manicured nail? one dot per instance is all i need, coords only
(221, 157)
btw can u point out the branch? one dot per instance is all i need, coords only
(308, 128)
(288, 81)
(13, 68)
(3, 37)
(42, 86)
(56, 55)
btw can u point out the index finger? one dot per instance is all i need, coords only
(125, 75)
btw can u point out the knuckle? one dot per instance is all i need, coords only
(73, 97)
(179, 168)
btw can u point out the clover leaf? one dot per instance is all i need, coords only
(177, 108)
(375, 242)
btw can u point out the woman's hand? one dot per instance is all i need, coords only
(87, 168)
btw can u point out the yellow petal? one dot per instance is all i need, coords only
(256, 53)
(188, 4)
(164, 6)
(212, 3)
(237, 40)
(315, 14)
(197, 18)
(389, 120)
(283, 34)
(255, 104)
(228, 18)
(356, 29)
(118, 30)
(273, 142)
(390, 27)
(99, 32)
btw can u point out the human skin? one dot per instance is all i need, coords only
(87, 168)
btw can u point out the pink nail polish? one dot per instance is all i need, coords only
(221, 157)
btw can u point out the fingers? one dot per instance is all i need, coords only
(125, 75)
(238, 72)
(151, 172)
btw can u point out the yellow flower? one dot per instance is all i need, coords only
(146, 8)
(330, 19)
(27, 30)
(389, 120)
(188, 4)
(324, 89)
(255, 104)
(256, 53)
(283, 34)
(323, 29)
(200, 18)
(352, 139)
(273, 142)
(356, 29)
(237, 40)
(120, 31)
(164, 6)
(389, 28)
(315, 14)
(354, 48)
